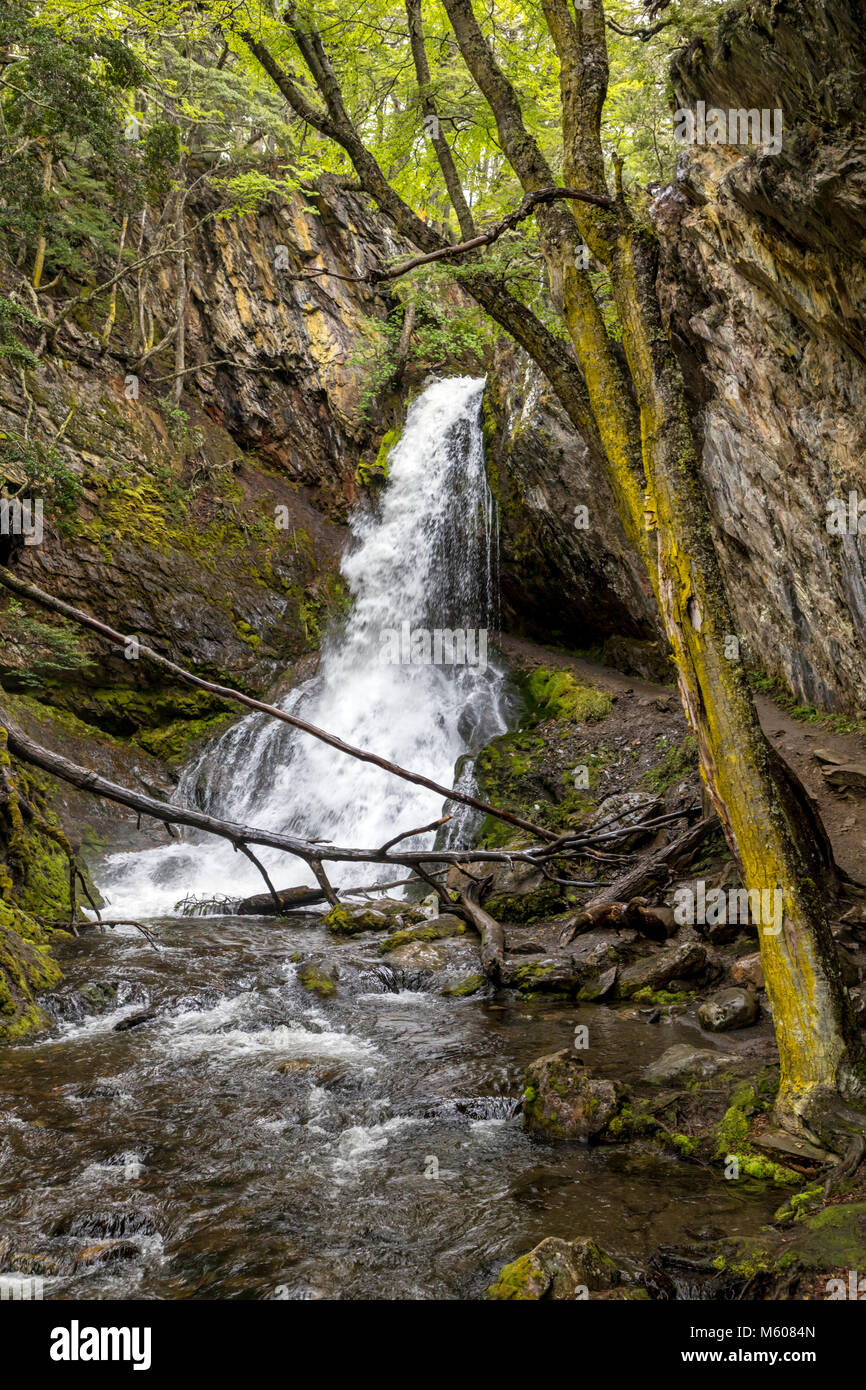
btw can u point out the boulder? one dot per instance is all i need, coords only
(318, 978)
(682, 1062)
(684, 959)
(556, 1270)
(563, 1100)
(748, 970)
(383, 914)
(729, 1009)
(438, 929)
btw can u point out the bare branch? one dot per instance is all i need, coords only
(225, 692)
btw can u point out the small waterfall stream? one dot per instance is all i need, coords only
(421, 568)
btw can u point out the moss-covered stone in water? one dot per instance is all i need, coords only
(471, 985)
(347, 921)
(557, 1270)
(438, 930)
(562, 1100)
(317, 980)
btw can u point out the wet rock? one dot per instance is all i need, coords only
(600, 987)
(470, 985)
(107, 1226)
(439, 929)
(685, 959)
(556, 1270)
(551, 974)
(562, 1099)
(385, 914)
(624, 813)
(748, 970)
(135, 1021)
(29, 1264)
(319, 978)
(729, 1009)
(421, 955)
(106, 1252)
(682, 1062)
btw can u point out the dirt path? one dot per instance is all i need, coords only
(843, 812)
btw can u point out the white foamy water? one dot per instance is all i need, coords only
(424, 557)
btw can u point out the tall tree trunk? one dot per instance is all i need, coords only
(819, 1046)
(180, 295)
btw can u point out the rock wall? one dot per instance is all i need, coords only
(764, 279)
(213, 534)
(567, 577)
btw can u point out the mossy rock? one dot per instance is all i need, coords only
(555, 694)
(556, 1270)
(563, 1100)
(347, 920)
(472, 984)
(26, 967)
(439, 929)
(318, 979)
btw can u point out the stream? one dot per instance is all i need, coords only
(252, 1141)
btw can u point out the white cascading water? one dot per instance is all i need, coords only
(423, 560)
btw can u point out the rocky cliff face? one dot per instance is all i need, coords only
(213, 533)
(764, 278)
(567, 575)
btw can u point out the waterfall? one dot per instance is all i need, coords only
(409, 676)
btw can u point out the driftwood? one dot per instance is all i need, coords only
(224, 692)
(287, 900)
(492, 933)
(653, 871)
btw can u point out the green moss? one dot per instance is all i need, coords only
(678, 761)
(26, 967)
(557, 695)
(661, 998)
(314, 979)
(516, 1281)
(376, 473)
(428, 933)
(347, 923)
(775, 688)
(801, 1204)
(471, 985)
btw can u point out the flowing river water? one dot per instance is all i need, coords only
(198, 1125)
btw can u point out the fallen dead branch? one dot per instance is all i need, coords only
(224, 692)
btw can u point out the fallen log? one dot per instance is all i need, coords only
(287, 900)
(652, 872)
(492, 933)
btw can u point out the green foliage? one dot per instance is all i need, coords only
(557, 695)
(12, 318)
(677, 760)
(48, 651)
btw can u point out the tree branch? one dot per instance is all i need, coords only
(224, 692)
